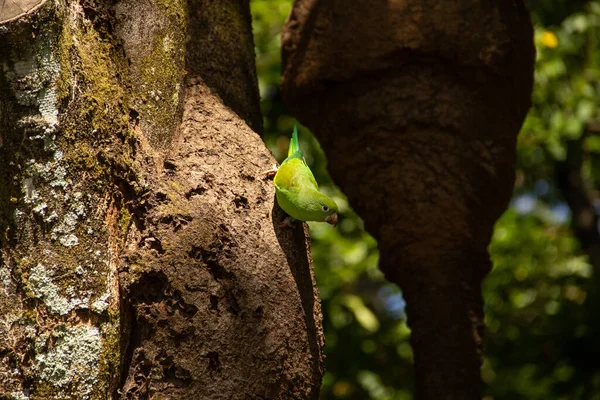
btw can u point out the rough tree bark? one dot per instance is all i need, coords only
(140, 254)
(417, 105)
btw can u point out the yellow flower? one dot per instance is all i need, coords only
(549, 39)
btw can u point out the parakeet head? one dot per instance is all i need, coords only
(328, 209)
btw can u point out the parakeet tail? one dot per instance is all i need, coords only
(294, 146)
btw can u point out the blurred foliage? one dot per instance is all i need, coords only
(542, 298)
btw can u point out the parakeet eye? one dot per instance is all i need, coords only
(325, 208)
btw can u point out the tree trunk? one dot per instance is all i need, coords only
(418, 105)
(140, 250)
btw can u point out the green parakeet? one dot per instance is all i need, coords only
(297, 191)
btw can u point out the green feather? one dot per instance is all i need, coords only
(294, 145)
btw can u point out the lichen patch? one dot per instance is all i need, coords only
(72, 360)
(42, 286)
(33, 78)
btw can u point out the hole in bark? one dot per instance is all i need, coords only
(134, 115)
(218, 272)
(177, 376)
(160, 196)
(170, 165)
(176, 303)
(195, 252)
(213, 361)
(164, 361)
(185, 335)
(209, 178)
(234, 306)
(186, 309)
(241, 201)
(259, 312)
(214, 302)
(153, 243)
(247, 177)
(150, 288)
(145, 368)
(166, 219)
(211, 260)
(197, 191)
(28, 383)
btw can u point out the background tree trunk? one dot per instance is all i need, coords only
(141, 256)
(417, 105)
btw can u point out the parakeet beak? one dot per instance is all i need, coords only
(332, 219)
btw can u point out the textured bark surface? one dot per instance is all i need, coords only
(417, 105)
(140, 250)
